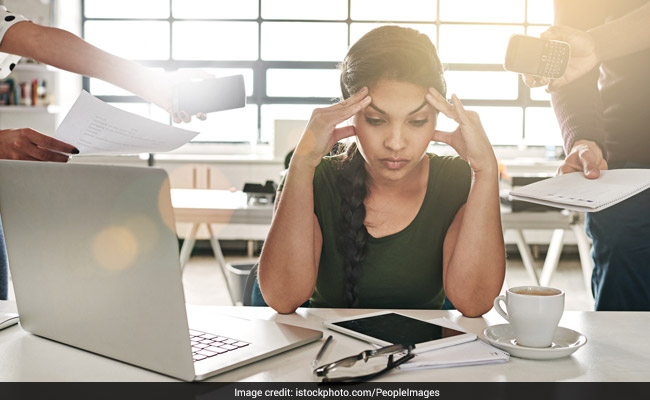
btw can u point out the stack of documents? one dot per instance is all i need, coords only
(476, 352)
(575, 192)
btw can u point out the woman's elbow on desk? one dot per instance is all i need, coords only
(283, 297)
(283, 309)
(473, 311)
(474, 303)
(283, 305)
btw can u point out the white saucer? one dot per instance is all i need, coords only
(565, 342)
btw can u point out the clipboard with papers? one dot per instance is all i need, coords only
(575, 192)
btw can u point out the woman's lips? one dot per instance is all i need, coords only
(394, 163)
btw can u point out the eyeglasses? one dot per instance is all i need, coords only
(372, 367)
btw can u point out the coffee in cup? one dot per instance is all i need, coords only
(537, 291)
(534, 312)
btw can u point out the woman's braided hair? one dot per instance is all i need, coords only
(387, 52)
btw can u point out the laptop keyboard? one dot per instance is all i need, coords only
(206, 345)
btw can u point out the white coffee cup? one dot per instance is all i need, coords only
(533, 312)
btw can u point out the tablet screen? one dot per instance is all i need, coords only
(396, 328)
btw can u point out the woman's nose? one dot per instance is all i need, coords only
(395, 140)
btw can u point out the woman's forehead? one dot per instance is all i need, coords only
(398, 97)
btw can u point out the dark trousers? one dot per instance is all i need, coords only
(621, 253)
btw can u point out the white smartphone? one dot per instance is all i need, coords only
(386, 328)
(535, 56)
(210, 95)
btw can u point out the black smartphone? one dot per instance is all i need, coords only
(210, 95)
(535, 56)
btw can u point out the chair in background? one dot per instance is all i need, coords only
(252, 295)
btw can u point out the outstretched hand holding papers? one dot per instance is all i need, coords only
(575, 192)
(95, 127)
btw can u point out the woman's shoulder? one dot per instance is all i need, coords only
(326, 192)
(452, 176)
(329, 167)
(332, 161)
(326, 176)
(7, 20)
(448, 164)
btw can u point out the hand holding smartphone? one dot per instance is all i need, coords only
(210, 95)
(534, 56)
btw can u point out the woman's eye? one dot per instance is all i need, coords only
(419, 122)
(374, 121)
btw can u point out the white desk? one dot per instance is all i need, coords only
(617, 350)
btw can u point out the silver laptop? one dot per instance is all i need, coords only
(95, 264)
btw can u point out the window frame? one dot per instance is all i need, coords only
(260, 66)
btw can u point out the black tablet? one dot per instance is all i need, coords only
(386, 328)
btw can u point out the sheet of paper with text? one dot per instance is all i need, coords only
(95, 127)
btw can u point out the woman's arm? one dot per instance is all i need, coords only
(67, 51)
(289, 261)
(473, 251)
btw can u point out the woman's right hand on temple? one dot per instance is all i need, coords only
(321, 132)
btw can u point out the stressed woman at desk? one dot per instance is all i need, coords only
(386, 224)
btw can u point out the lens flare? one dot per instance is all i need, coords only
(115, 248)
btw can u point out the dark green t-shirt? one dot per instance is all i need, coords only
(402, 270)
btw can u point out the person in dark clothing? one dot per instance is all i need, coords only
(603, 108)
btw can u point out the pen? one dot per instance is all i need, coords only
(314, 363)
